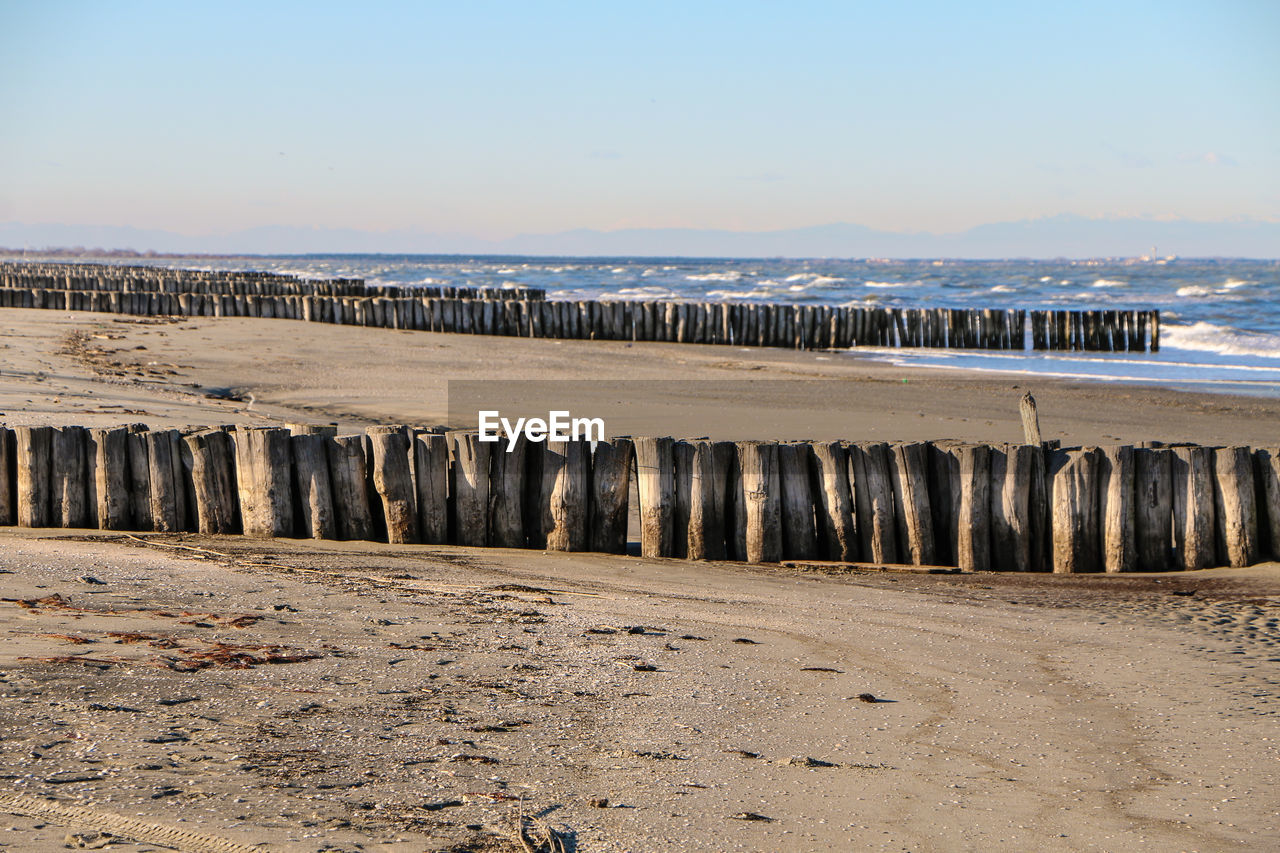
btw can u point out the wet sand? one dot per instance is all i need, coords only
(201, 693)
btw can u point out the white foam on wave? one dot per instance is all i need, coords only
(739, 294)
(646, 291)
(715, 276)
(1233, 283)
(1226, 340)
(1109, 282)
(887, 283)
(1194, 290)
(1002, 288)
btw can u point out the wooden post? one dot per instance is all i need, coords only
(706, 535)
(317, 519)
(164, 487)
(264, 480)
(944, 501)
(506, 494)
(1267, 466)
(348, 479)
(431, 474)
(139, 478)
(213, 473)
(1117, 502)
(111, 477)
(469, 487)
(1236, 507)
(1153, 509)
(1030, 420)
(610, 493)
(1076, 543)
(393, 483)
(566, 479)
(973, 524)
(8, 475)
(655, 483)
(909, 478)
(1193, 526)
(799, 521)
(682, 473)
(34, 483)
(1011, 468)
(759, 515)
(873, 502)
(68, 477)
(838, 536)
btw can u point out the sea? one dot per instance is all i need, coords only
(1220, 318)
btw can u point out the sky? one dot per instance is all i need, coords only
(495, 119)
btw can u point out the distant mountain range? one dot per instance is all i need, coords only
(1064, 236)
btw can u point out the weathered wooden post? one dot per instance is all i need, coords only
(799, 519)
(835, 496)
(431, 474)
(1193, 526)
(139, 478)
(1267, 465)
(110, 465)
(759, 505)
(164, 486)
(1011, 470)
(34, 483)
(264, 480)
(317, 518)
(1030, 420)
(1116, 496)
(973, 523)
(68, 474)
(909, 479)
(8, 475)
(469, 487)
(682, 473)
(1153, 508)
(707, 489)
(348, 479)
(393, 483)
(566, 479)
(873, 501)
(214, 476)
(1076, 542)
(506, 494)
(610, 492)
(655, 483)
(1236, 507)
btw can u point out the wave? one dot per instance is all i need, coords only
(715, 276)
(1109, 282)
(1226, 340)
(1003, 288)
(888, 283)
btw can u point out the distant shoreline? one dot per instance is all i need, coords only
(62, 252)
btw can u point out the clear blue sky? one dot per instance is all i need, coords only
(491, 119)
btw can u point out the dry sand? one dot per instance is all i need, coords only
(342, 696)
(96, 369)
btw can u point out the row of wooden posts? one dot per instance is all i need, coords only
(95, 278)
(765, 325)
(1013, 507)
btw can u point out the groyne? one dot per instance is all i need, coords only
(1002, 507)
(526, 312)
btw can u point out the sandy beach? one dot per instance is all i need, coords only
(206, 693)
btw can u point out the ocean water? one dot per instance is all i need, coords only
(1220, 318)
